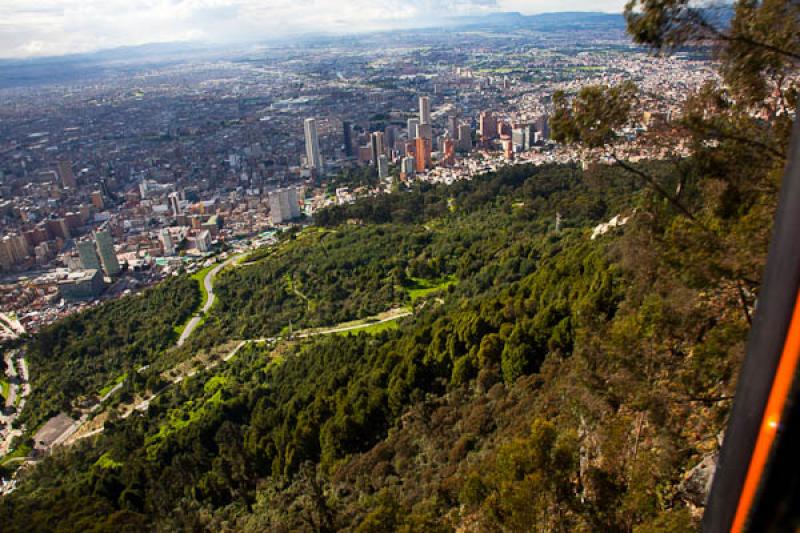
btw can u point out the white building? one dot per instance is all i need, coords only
(424, 110)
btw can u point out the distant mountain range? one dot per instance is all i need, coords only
(546, 21)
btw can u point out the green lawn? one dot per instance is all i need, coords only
(105, 390)
(374, 328)
(421, 288)
(21, 451)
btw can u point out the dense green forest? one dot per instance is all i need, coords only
(555, 383)
(401, 428)
(77, 357)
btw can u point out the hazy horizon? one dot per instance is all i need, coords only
(62, 27)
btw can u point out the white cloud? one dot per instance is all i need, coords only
(54, 27)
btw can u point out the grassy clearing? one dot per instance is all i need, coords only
(375, 328)
(105, 390)
(20, 452)
(421, 288)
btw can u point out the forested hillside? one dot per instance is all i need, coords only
(571, 372)
(78, 356)
(543, 380)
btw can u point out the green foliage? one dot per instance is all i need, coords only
(594, 115)
(83, 353)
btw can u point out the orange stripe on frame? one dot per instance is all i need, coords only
(771, 421)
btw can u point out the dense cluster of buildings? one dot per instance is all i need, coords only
(110, 186)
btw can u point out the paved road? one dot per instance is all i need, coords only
(208, 282)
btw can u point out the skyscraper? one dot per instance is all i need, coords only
(389, 135)
(425, 131)
(488, 125)
(348, 138)
(88, 255)
(423, 154)
(465, 138)
(508, 149)
(413, 126)
(108, 257)
(448, 151)
(275, 210)
(378, 146)
(313, 155)
(294, 206)
(284, 205)
(407, 167)
(452, 126)
(424, 110)
(383, 166)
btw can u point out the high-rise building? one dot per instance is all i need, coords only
(423, 154)
(508, 149)
(425, 131)
(313, 155)
(87, 252)
(166, 242)
(465, 138)
(275, 209)
(65, 174)
(348, 138)
(294, 205)
(389, 136)
(452, 126)
(284, 205)
(383, 166)
(448, 151)
(175, 204)
(413, 127)
(424, 110)
(518, 138)
(108, 256)
(378, 146)
(407, 167)
(488, 125)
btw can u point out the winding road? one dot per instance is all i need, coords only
(208, 283)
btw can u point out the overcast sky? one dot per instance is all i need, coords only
(54, 27)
